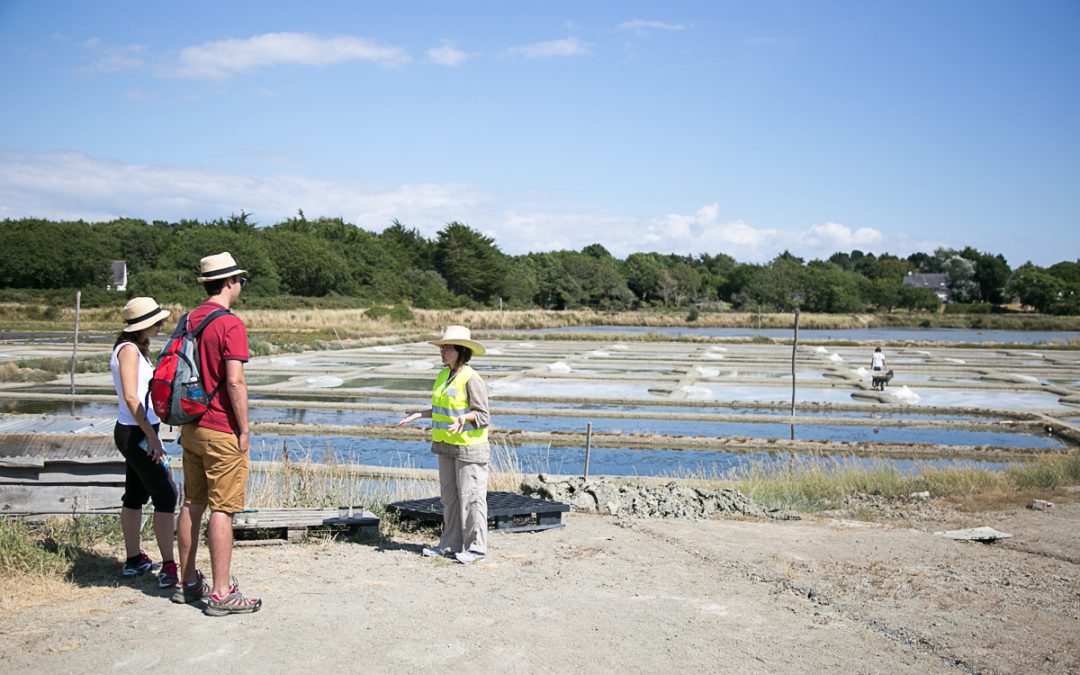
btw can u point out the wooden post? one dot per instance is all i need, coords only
(502, 316)
(794, 346)
(75, 343)
(588, 447)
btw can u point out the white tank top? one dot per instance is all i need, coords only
(146, 372)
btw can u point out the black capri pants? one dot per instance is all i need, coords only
(145, 479)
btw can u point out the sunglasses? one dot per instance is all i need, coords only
(243, 282)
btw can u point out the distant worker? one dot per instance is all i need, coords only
(135, 434)
(216, 445)
(880, 375)
(877, 361)
(459, 421)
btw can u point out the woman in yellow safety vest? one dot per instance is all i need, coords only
(459, 423)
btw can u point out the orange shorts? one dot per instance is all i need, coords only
(215, 471)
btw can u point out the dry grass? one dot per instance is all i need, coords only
(809, 483)
(356, 323)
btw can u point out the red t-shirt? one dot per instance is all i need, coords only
(224, 339)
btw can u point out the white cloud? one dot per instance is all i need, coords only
(69, 185)
(644, 25)
(570, 46)
(224, 58)
(836, 237)
(519, 232)
(447, 54)
(108, 58)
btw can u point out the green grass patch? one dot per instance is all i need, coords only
(68, 546)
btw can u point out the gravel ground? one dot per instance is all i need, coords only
(822, 594)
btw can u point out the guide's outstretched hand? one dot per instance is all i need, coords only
(410, 417)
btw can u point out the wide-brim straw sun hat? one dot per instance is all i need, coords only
(142, 313)
(220, 266)
(461, 337)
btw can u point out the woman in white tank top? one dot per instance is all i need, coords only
(135, 435)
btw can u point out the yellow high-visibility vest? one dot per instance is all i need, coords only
(449, 401)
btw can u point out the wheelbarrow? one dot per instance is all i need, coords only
(880, 379)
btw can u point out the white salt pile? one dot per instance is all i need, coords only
(696, 392)
(906, 395)
(324, 381)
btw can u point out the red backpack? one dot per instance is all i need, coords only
(176, 390)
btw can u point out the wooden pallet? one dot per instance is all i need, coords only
(507, 512)
(291, 525)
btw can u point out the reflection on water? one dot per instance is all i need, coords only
(560, 460)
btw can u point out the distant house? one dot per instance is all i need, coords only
(938, 283)
(118, 281)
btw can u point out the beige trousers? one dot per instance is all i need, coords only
(463, 490)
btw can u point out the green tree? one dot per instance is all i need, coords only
(641, 271)
(308, 265)
(916, 298)
(37, 253)
(1037, 288)
(961, 278)
(190, 243)
(471, 263)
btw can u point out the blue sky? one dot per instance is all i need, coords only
(743, 128)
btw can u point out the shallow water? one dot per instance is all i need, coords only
(1003, 400)
(266, 414)
(805, 432)
(570, 460)
(390, 383)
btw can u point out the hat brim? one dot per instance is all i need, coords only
(222, 275)
(161, 315)
(476, 347)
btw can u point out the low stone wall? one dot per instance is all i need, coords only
(622, 498)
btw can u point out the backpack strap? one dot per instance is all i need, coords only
(206, 321)
(195, 334)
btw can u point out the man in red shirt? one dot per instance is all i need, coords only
(216, 445)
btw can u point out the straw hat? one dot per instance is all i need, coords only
(460, 336)
(220, 266)
(142, 313)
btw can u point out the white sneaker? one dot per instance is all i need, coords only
(430, 552)
(468, 557)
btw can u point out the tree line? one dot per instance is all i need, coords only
(329, 258)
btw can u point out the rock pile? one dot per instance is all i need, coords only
(671, 500)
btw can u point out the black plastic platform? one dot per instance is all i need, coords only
(506, 510)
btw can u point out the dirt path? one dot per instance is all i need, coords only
(748, 596)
